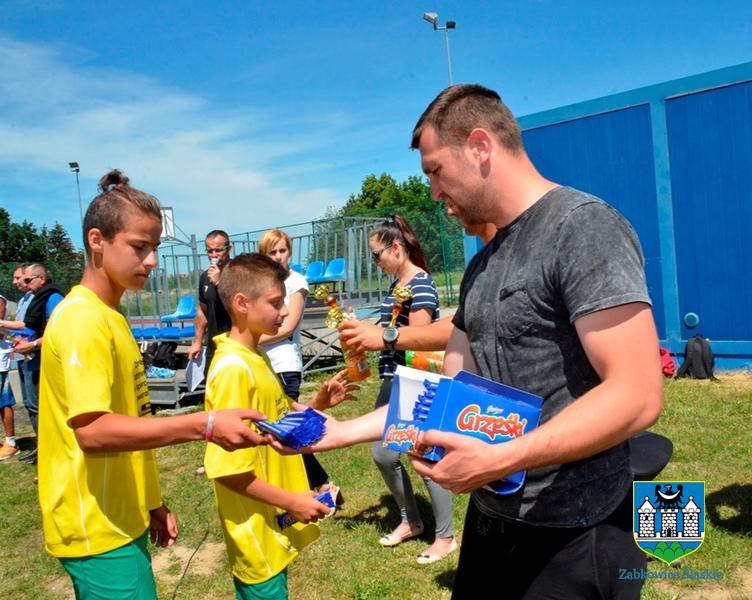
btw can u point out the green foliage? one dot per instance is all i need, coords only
(22, 243)
(383, 192)
(440, 237)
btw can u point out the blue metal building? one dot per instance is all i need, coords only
(676, 160)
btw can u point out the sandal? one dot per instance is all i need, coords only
(395, 539)
(427, 559)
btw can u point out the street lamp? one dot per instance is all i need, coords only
(75, 168)
(433, 19)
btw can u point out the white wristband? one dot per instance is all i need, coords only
(209, 431)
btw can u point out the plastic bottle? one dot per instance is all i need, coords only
(356, 363)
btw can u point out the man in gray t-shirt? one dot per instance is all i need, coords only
(556, 304)
(542, 272)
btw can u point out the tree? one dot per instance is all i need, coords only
(21, 242)
(440, 237)
(65, 262)
(59, 245)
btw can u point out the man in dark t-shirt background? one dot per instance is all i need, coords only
(211, 318)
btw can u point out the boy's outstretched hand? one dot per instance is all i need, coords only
(329, 441)
(232, 431)
(306, 509)
(333, 392)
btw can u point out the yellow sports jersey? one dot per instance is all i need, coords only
(91, 503)
(258, 549)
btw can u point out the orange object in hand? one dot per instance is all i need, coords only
(425, 360)
(356, 363)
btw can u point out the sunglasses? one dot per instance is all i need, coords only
(28, 280)
(218, 250)
(377, 255)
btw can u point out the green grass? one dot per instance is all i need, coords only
(708, 423)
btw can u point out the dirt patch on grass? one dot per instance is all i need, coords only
(169, 564)
(62, 588)
(741, 376)
(713, 591)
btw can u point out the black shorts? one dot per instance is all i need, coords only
(506, 559)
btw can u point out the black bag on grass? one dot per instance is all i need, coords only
(699, 361)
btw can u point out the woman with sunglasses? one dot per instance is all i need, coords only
(396, 250)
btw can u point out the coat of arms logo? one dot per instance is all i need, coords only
(669, 518)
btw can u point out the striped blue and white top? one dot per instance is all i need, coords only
(424, 296)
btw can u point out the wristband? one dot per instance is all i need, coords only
(209, 431)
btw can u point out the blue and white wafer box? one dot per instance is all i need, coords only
(467, 404)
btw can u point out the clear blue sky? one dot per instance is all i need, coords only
(244, 115)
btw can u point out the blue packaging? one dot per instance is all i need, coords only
(466, 404)
(329, 497)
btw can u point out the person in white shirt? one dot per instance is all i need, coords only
(283, 348)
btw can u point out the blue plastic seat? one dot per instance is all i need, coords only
(315, 269)
(336, 270)
(150, 333)
(137, 332)
(169, 333)
(186, 310)
(298, 269)
(188, 332)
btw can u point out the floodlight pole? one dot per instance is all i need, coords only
(76, 168)
(433, 19)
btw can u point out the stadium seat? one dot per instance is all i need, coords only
(315, 269)
(186, 310)
(298, 269)
(150, 333)
(170, 333)
(336, 270)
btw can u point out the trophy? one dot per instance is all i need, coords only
(355, 362)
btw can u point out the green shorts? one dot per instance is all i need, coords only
(121, 574)
(271, 589)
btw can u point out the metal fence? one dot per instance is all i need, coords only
(182, 261)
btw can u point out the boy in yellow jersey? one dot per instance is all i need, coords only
(255, 485)
(98, 484)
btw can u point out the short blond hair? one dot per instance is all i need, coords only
(271, 238)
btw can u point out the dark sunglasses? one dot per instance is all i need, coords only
(28, 280)
(218, 250)
(377, 255)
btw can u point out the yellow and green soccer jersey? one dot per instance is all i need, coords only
(258, 549)
(96, 502)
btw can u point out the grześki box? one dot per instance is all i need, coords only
(466, 404)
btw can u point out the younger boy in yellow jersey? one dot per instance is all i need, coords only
(98, 483)
(254, 485)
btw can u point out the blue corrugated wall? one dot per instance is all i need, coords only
(676, 160)
(607, 152)
(710, 144)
